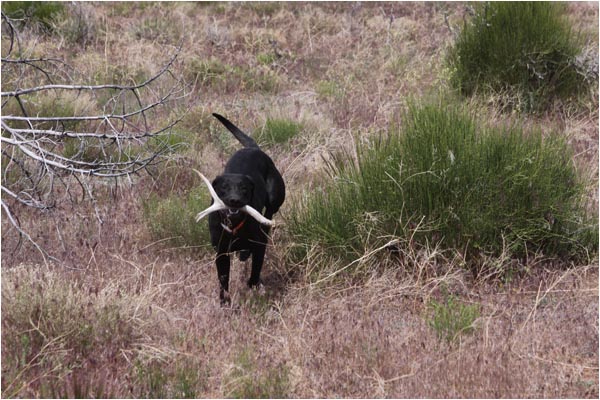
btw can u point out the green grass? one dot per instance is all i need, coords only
(174, 217)
(246, 382)
(444, 178)
(232, 78)
(277, 131)
(38, 11)
(173, 142)
(524, 49)
(181, 378)
(329, 89)
(266, 58)
(451, 319)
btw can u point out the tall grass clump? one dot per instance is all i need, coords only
(445, 179)
(525, 51)
(277, 130)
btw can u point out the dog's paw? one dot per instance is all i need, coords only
(258, 288)
(225, 298)
(252, 283)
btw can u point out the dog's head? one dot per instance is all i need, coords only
(235, 190)
(236, 197)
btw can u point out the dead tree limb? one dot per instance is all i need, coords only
(118, 137)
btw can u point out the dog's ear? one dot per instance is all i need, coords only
(218, 184)
(217, 181)
(250, 182)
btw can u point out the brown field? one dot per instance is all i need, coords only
(122, 314)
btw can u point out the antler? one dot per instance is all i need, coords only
(218, 205)
(256, 215)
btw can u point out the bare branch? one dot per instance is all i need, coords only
(49, 157)
(22, 233)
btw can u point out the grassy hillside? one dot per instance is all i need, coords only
(432, 301)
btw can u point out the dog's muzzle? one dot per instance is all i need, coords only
(219, 205)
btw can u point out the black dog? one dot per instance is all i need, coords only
(249, 184)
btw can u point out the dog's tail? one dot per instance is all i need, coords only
(244, 139)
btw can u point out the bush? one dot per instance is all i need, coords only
(174, 217)
(444, 180)
(525, 49)
(38, 11)
(277, 131)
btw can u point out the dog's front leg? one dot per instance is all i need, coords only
(258, 256)
(223, 265)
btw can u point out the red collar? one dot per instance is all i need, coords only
(235, 229)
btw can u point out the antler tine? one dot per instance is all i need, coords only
(213, 194)
(218, 203)
(257, 216)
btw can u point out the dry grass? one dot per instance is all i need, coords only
(345, 72)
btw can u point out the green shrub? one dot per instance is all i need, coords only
(38, 11)
(277, 130)
(174, 217)
(266, 58)
(451, 318)
(524, 49)
(446, 180)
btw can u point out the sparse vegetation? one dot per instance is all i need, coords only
(214, 74)
(525, 51)
(183, 379)
(451, 319)
(368, 299)
(176, 141)
(329, 90)
(246, 382)
(53, 325)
